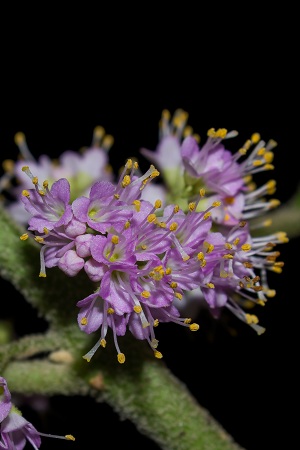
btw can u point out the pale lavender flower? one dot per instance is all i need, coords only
(81, 169)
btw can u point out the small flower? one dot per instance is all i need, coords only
(15, 430)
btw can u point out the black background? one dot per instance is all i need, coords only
(249, 383)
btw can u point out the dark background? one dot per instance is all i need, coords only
(249, 383)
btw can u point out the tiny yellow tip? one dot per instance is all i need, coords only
(19, 138)
(69, 437)
(121, 358)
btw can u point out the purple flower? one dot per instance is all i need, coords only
(15, 430)
(48, 208)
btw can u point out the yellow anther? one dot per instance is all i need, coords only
(194, 327)
(274, 203)
(145, 294)
(108, 141)
(162, 224)
(156, 323)
(25, 193)
(268, 157)
(202, 192)
(257, 163)
(144, 247)
(19, 138)
(84, 321)
(236, 241)
(173, 226)
(35, 180)
(103, 343)
(251, 318)
(247, 179)
(42, 275)
(276, 269)
(228, 256)
(176, 209)
(211, 132)
(129, 164)
(135, 165)
(197, 138)
(151, 218)
(8, 166)
(200, 256)
(210, 285)
(117, 196)
(248, 264)
(157, 204)
(126, 181)
(271, 293)
(137, 204)
(188, 131)
(110, 311)
(137, 309)
(257, 288)
(158, 268)
(25, 168)
(206, 215)
(42, 193)
(246, 247)
(282, 236)
(269, 167)
(99, 132)
(226, 217)
(168, 270)
(242, 223)
(157, 354)
(186, 258)
(203, 263)
(46, 231)
(126, 225)
(228, 246)
(216, 204)
(261, 302)
(24, 237)
(39, 239)
(221, 133)
(166, 115)
(255, 138)
(45, 184)
(208, 247)
(69, 437)
(187, 320)
(261, 151)
(223, 274)
(155, 173)
(242, 151)
(115, 239)
(121, 358)
(178, 295)
(173, 284)
(192, 206)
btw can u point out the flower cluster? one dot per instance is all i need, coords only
(80, 168)
(144, 256)
(186, 167)
(15, 430)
